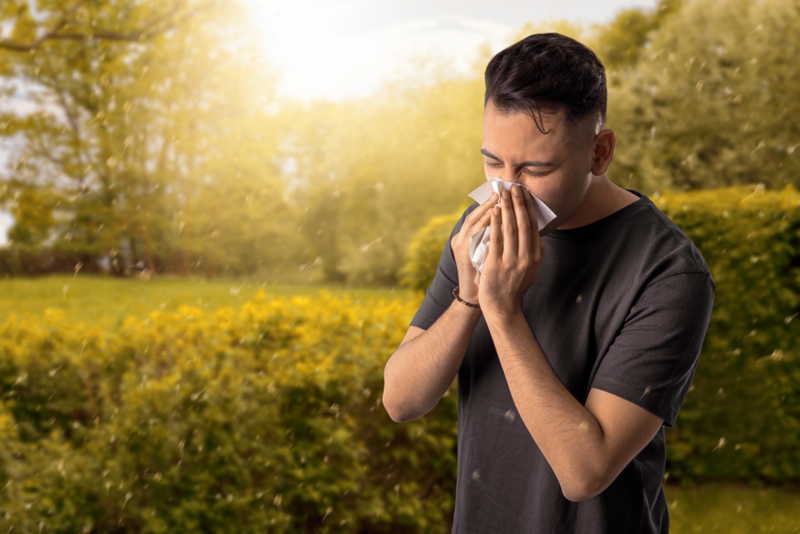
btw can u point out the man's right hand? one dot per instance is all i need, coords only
(473, 223)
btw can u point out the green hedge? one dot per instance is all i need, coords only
(741, 418)
(265, 418)
(425, 250)
(33, 260)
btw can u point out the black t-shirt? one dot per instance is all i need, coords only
(622, 305)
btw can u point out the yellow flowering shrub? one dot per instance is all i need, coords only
(265, 417)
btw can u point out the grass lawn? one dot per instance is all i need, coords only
(707, 507)
(106, 301)
(734, 509)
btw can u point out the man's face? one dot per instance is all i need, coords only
(556, 166)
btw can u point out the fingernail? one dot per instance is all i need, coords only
(505, 193)
(516, 191)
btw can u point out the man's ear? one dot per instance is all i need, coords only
(603, 146)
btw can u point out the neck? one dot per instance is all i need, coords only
(602, 198)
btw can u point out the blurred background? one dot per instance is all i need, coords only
(189, 183)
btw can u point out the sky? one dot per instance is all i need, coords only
(340, 49)
(345, 48)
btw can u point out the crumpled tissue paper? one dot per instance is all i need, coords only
(479, 242)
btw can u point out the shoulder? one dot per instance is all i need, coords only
(663, 247)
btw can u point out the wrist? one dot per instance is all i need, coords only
(465, 300)
(500, 312)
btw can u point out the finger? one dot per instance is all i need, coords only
(523, 224)
(482, 223)
(480, 217)
(495, 238)
(534, 239)
(482, 210)
(510, 244)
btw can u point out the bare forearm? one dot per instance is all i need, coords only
(568, 435)
(419, 372)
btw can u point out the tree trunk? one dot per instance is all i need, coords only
(148, 251)
(134, 252)
(212, 262)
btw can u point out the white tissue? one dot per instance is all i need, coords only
(479, 242)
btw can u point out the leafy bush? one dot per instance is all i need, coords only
(745, 401)
(31, 260)
(426, 249)
(268, 416)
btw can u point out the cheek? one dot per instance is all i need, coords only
(556, 194)
(556, 206)
(586, 164)
(547, 192)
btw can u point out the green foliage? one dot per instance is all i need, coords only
(620, 42)
(745, 401)
(148, 135)
(623, 38)
(672, 130)
(33, 215)
(732, 508)
(711, 100)
(25, 260)
(265, 417)
(270, 414)
(86, 298)
(369, 173)
(174, 149)
(425, 251)
(741, 418)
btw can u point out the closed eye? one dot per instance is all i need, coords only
(525, 170)
(531, 173)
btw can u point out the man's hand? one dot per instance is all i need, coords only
(513, 257)
(474, 223)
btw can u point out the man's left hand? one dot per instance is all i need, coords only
(513, 256)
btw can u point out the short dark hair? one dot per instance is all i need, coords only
(547, 72)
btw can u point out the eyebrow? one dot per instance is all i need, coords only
(522, 164)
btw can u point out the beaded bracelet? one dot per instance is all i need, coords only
(455, 294)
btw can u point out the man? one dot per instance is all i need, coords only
(577, 343)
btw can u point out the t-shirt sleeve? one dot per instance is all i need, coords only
(440, 293)
(652, 360)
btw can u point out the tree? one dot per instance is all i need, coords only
(711, 100)
(619, 43)
(141, 104)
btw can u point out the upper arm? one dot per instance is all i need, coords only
(644, 376)
(652, 360)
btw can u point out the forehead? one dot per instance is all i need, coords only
(518, 131)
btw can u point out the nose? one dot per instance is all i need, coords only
(508, 175)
